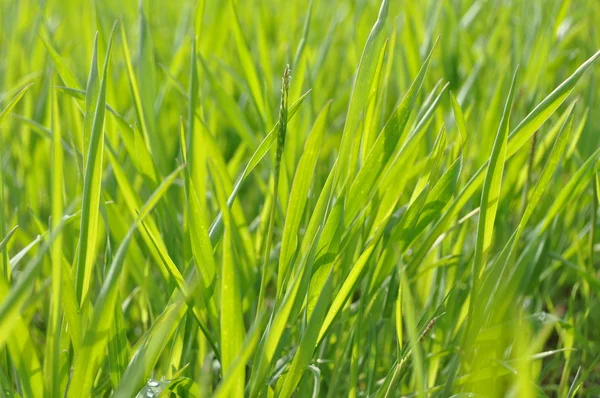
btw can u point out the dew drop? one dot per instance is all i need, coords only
(542, 316)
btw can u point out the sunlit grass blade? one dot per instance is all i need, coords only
(52, 362)
(202, 249)
(300, 188)
(247, 63)
(230, 379)
(490, 196)
(527, 127)
(92, 186)
(134, 87)
(22, 351)
(232, 323)
(91, 97)
(358, 99)
(59, 63)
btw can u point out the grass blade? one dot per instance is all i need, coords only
(52, 360)
(300, 188)
(232, 322)
(13, 103)
(359, 96)
(92, 186)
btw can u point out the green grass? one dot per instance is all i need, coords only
(299, 198)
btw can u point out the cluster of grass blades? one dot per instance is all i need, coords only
(300, 198)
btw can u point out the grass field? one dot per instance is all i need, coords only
(341, 198)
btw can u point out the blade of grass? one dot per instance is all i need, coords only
(299, 194)
(6, 239)
(135, 90)
(92, 187)
(232, 322)
(13, 103)
(91, 97)
(247, 64)
(490, 198)
(360, 90)
(52, 360)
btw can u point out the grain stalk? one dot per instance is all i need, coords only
(283, 116)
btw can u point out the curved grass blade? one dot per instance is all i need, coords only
(528, 126)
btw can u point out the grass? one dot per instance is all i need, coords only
(302, 198)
